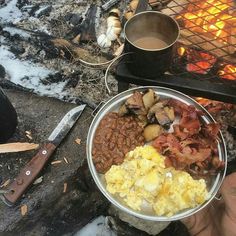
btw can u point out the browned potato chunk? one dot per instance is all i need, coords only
(152, 131)
(149, 99)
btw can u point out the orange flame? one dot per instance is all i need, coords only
(217, 18)
(181, 51)
(197, 61)
(228, 72)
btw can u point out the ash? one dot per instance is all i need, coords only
(29, 61)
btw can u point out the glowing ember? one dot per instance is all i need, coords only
(181, 51)
(197, 61)
(215, 23)
(228, 72)
(216, 18)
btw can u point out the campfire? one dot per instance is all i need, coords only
(204, 60)
(212, 18)
(228, 72)
(208, 36)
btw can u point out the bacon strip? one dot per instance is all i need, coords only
(192, 146)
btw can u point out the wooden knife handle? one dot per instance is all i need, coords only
(29, 173)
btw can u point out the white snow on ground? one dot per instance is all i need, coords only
(10, 12)
(98, 227)
(14, 31)
(18, 69)
(24, 73)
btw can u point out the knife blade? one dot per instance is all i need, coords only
(29, 173)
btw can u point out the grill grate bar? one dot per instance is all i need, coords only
(207, 67)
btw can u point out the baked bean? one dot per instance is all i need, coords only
(114, 137)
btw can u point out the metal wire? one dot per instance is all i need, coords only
(215, 44)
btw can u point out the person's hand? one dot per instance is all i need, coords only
(219, 218)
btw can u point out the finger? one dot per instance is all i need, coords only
(199, 223)
(228, 191)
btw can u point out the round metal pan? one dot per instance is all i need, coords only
(113, 105)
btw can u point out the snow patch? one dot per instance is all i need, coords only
(14, 31)
(98, 227)
(29, 75)
(10, 12)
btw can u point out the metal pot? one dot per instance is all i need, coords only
(113, 105)
(147, 60)
(8, 118)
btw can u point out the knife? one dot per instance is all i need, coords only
(29, 173)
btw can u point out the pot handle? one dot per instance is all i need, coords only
(97, 108)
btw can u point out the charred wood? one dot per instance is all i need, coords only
(87, 29)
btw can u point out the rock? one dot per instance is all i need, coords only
(2, 71)
(144, 225)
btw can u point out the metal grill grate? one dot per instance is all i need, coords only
(204, 62)
(208, 28)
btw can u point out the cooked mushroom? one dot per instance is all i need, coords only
(149, 98)
(142, 120)
(123, 110)
(151, 113)
(162, 117)
(170, 112)
(152, 131)
(135, 104)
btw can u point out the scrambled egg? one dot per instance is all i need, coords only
(142, 180)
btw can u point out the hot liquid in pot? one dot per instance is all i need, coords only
(150, 42)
